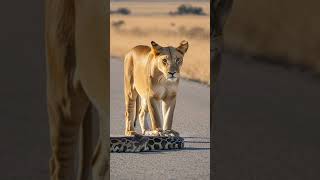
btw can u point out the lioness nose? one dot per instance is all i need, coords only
(172, 73)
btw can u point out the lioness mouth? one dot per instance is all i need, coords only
(172, 78)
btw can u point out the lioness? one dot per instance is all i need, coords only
(77, 79)
(152, 75)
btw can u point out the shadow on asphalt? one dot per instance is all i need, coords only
(174, 150)
(201, 142)
(196, 137)
(196, 149)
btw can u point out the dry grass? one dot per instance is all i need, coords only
(288, 29)
(150, 21)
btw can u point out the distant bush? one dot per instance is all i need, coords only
(186, 9)
(123, 11)
(194, 32)
(117, 24)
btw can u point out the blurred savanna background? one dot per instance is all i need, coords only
(267, 104)
(167, 22)
(284, 32)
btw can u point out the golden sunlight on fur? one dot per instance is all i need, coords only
(151, 78)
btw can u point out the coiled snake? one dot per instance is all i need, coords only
(139, 143)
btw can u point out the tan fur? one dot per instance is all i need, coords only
(77, 77)
(147, 82)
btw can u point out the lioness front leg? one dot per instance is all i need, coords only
(154, 117)
(168, 106)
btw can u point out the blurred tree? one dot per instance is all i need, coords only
(219, 11)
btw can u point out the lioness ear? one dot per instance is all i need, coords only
(183, 47)
(156, 48)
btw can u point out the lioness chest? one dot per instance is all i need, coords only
(152, 86)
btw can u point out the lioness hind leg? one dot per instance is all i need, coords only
(92, 70)
(66, 104)
(85, 146)
(130, 113)
(65, 118)
(130, 95)
(143, 112)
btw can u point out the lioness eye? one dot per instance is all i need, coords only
(178, 60)
(164, 61)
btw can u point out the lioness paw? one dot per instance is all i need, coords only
(170, 132)
(131, 133)
(157, 132)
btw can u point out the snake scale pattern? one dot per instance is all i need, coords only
(139, 143)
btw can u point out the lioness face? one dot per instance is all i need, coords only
(169, 59)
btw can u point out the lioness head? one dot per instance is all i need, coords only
(169, 59)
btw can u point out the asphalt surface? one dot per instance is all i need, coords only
(191, 120)
(267, 122)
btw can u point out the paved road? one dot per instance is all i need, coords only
(267, 122)
(191, 119)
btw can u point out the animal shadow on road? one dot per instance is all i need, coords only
(200, 140)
